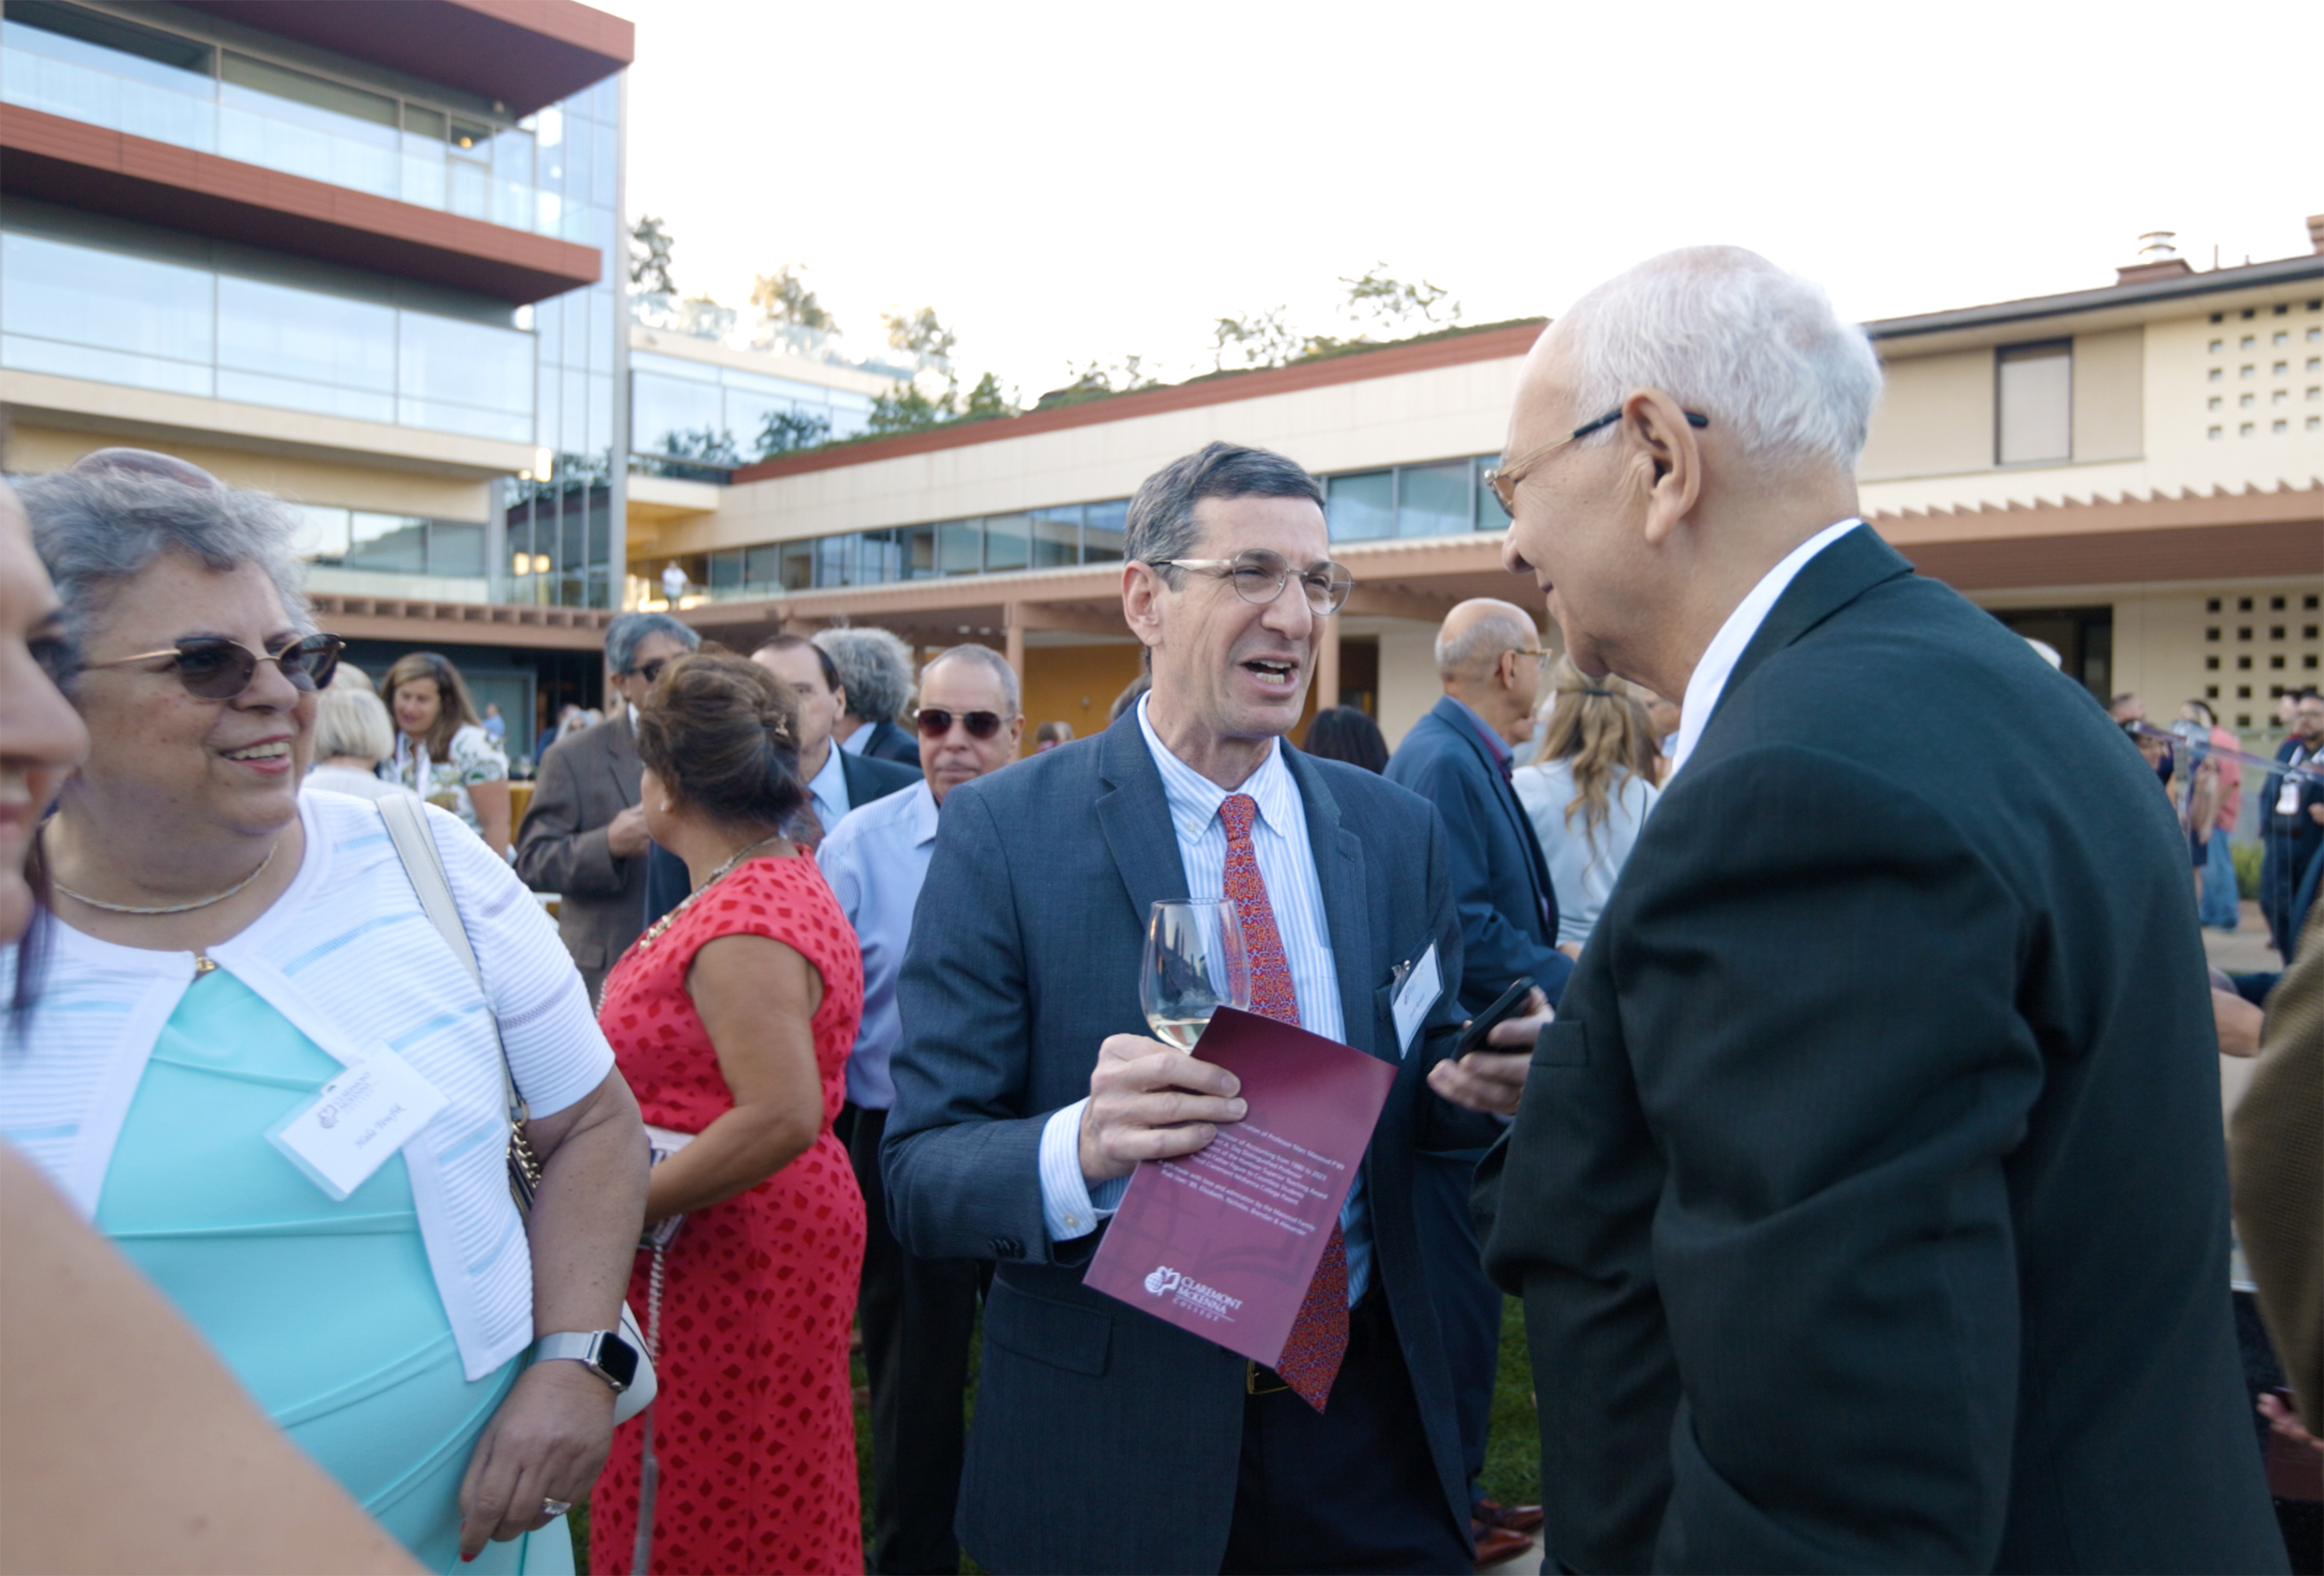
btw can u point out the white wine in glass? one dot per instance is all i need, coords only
(1194, 964)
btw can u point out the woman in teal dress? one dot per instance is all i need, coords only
(224, 952)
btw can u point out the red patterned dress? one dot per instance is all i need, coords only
(754, 1428)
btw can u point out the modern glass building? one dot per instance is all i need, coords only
(369, 258)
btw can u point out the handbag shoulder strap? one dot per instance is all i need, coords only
(407, 828)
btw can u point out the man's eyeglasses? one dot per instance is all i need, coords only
(1259, 576)
(1503, 479)
(213, 667)
(651, 672)
(934, 723)
(1541, 660)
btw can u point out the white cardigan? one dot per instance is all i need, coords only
(348, 957)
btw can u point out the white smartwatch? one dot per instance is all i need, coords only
(603, 1352)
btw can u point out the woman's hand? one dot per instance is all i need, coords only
(548, 1441)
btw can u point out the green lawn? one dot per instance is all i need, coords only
(1513, 1452)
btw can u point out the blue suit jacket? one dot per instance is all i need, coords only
(1106, 1440)
(1498, 878)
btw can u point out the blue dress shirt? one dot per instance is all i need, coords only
(874, 860)
(1286, 862)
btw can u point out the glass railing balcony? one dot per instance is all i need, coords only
(216, 101)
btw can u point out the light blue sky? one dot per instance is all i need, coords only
(1084, 180)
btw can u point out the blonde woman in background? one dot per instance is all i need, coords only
(352, 736)
(442, 750)
(1588, 792)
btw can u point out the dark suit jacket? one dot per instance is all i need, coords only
(1868, 1197)
(1106, 1440)
(1498, 877)
(584, 782)
(667, 883)
(892, 742)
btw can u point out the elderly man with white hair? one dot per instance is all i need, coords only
(1868, 1195)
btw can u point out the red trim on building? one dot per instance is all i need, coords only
(524, 53)
(79, 166)
(1491, 344)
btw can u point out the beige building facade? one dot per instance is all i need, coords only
(2133, 474)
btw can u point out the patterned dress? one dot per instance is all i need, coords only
(474, 758)
(754, 1428)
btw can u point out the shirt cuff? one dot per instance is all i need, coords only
(1069, 1206)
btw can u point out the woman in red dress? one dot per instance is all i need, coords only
(731, 1020)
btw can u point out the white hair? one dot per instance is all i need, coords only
(1730, 336)
(1500, 627)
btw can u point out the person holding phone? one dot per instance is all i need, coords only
(1027, 1087)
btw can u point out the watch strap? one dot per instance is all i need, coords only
(585, 1347)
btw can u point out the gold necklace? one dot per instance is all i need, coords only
(169, 907)
(654, 930)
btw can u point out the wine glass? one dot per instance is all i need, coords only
(1194, 964)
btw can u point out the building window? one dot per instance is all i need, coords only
(2243, 430)
(2244, 692)
(2247, 371)
(2217, 346)
(2216, 402)
(2034, 402)
(2216, 374)
(2279, 427)
(2218, 432)
(2247, 401)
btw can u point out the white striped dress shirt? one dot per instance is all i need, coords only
(1286, 862)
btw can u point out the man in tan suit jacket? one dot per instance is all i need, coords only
(584, 836)
(2276, 1151)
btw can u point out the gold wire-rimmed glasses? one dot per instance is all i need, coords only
(1503, 479)
(1259, 577)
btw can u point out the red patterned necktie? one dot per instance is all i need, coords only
(1319, 1336)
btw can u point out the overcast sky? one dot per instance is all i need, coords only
(1070, 183)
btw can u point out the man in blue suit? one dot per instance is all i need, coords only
(1026, 1091)
(1458, 758)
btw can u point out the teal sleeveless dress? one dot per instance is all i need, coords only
(327, 1312)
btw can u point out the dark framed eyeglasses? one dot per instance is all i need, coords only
(934, 723)
(1259, 577)
(651, 672)
(213, 667)
(1503, 479)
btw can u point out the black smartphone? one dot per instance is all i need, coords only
(1472, 1038)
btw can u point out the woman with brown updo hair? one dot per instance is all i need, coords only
(731, 1018)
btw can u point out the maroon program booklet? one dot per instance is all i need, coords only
(1223, 1242)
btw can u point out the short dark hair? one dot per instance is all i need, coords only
(794, 643)
(722, 734)
(1345, 733)
(1161, 522)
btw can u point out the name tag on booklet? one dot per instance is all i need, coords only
(360, 1118)
(1416, 993)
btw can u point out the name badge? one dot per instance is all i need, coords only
(360, 1118)
(2288, 796)
(1422, 984)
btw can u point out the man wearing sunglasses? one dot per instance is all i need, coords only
(1027, 1087)
(584, 836)
(917, 1313)
(1866, 1198)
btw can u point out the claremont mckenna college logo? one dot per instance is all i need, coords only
(1207, 1301)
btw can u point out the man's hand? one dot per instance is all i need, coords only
(2238, 1023)
(1495, 1080)
(624, 834)
(1148, 1102)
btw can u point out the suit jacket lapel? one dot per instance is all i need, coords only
(1135, 816)
(1455, 717)
(621, 757)
(1341, 877)
(1827, 583)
